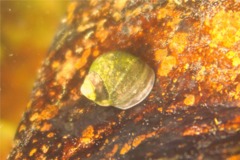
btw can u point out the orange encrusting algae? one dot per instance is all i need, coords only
(87, 135)
(192, 46)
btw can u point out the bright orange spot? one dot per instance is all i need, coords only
(101, 35)
(45, 148)
(38, 93)
(34, 140)
(138, 140)
(22, 128)
(160, 54)
(234, 157)
(71, 8)
(84, 27)
(34, 117)
(237, 95)
(178, 43)
(50, 135)
(166, 66)
(82, 61)
(87, 135)
(126, 147)
(46, 127)
(49, 112)
(95, 53)
(31, 153)
(68, 54)
(160, 109)
(119, 5)
(189, 100)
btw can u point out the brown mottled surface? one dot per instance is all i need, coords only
(193, 110)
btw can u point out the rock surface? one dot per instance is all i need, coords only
(193, 111)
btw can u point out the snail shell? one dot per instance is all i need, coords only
(118, 79)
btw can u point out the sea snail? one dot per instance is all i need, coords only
(118, 79)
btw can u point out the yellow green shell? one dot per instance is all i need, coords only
(118, 79)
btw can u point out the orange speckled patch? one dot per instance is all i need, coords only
(160, 54)
(101, 35)
(50, 135)
(68, 54)
(34, 117)
(67, 70)
(237, 94)
(236, 61)
(22, 128)
(34, 140)
(119, 5)
(82, 28)
(82, 73)
(95, 53)
(49, 112)
(31, 153)
(178, 43)
(234, 157)
(166, 66)
(226, 23)
(72, 6)
(200, 76)
(46, 126)
(44, 148)
(83, 60)
(189, 100)
(197, 130)
(233, 125)
(55, 64)
(87, 135)
(126, 147)
(19, 154)
(138, 140)
(160, 109)
(114, 151)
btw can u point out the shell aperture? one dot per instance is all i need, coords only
(118, 79)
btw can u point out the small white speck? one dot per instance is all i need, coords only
(9, 9)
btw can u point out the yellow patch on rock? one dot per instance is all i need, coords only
(45, 148)
(138, 140)
(126, 147)
(160, 54)
(178, 43)
(225, 28)
(31, 153)
(189, 100)
(166, 66)
(87, 135)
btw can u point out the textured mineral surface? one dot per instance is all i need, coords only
(193, 110)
